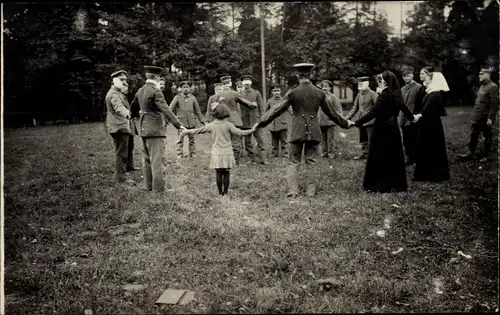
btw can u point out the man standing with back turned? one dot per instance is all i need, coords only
(305, 134)
(150, 107)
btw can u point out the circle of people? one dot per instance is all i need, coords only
(398, 126)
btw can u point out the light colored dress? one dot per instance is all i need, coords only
(222, 151)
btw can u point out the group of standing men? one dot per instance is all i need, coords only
(305, 117)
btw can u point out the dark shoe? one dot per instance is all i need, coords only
(264, 162)
(131, 169)
(193, 155)
(484, 159)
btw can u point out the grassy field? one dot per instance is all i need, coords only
(74, 239)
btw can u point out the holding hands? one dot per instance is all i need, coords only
(350, 124)
(416, 117)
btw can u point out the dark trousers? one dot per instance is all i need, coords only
(130, 153)
(365, 133)
(259, 137)
(327, 144)
(121, 154)
(180, 144)
(294, 158)
(277, 138)
(476, 129)
(153, 162)
(236, 144)
(410, 134)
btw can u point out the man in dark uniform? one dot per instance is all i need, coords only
(484, 114)
(305, 134)
(413, 94)
(150, 107)
(233, 100)
(249, 117)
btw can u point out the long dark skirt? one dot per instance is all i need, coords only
(431, 163)
(385, 166)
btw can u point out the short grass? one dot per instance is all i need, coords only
(74, 239)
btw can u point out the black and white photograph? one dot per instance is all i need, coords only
(249, 157)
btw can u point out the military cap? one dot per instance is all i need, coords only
(361, 79)
(246, 77)
(304, 67)
(217, 84)
(118, 73)
(153, 69)
(226, 78)
(408, 70)
(486, 69)
(275, 86)
(330, 83)
(188, 83)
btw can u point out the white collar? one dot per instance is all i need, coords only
(156, 83)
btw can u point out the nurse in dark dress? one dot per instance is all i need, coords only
(385, 167)
(431, 163)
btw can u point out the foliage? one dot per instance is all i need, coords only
(60, 55)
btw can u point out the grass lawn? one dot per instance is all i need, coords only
(73, 239)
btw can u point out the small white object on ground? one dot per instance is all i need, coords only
(381, 233)
(395, 206)
(464, 255)
(438, 286)
(397, 251)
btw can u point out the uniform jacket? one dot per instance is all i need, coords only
(413, 94)
(305, 101)
(150, 111)
(187, 110)
(385, 111)
(324, 121)
(486, 106)
(233, 100)
(281, 122)
(363, 104)
(250, 116)
(117, 109)
(208, 115)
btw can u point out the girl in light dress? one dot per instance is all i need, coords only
(222, 157)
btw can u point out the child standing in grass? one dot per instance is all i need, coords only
(222, 157)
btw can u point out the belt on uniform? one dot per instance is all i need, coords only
(308, 119)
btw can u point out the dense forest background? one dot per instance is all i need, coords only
(58, 57)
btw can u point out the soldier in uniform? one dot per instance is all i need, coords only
(484, 115)
(362, 105)
(279, 126)
(327, 126)
(249, 117)
(211, 99)
(305, 133)
(413, 94)
(151, 109)
(118, 124)
(233, 100)
(187, 109)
